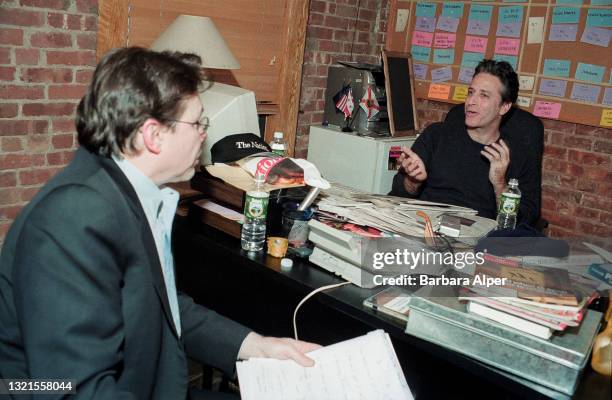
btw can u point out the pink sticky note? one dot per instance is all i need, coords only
(546, 109)
(507, 46)
(475, 44)
(422, 38)
(445, 40)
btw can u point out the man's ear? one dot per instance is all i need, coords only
(505, 107)
(151, 133)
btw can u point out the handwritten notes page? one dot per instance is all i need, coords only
(365, 367)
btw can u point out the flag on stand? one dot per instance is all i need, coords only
(369, 103)
(344, 101)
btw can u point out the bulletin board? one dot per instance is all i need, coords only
(559, 48)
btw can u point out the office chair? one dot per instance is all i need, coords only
(523, 128)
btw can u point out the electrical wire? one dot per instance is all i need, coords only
(322, 288)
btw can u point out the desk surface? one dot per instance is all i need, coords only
(205, 255)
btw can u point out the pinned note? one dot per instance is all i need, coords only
(479, 20)
(596, 36)
(563, 33)
(420, 53)
(606, 118)
(607, 100)
(442, 74)
(599, 17)
(426, 24)
(420, 70)
(444, 56)
(445, 40)
(423, 39)
(584, 92)
(560, 68)
(526, 82)
(523, 101)
(448, 24)
(535, 30)
(426, 9)
(471, 59)
(438, 91)
(477, 27)
(476, 44)
(452, 9)
(460, 93)
(401, 19)
(566, 15)
(507, 46)
(546, 109)
(512, 14)
(590, 72)
(552, 87)
(509, 29)
(466, 74)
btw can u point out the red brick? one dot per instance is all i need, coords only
(38, 144)
(21, 92)
(65, 21)
(15, 16)
(593, 201)
(549, 203)
(587, 213)
(317, 32)
(9, 196)
(603, 146)
(10, 213)
(71, 58)
(318, 6)
(87, 6)
(36, 176)
(581, 143)
(55, 4)
(26, 194)
(596, 132)
(562, 194)
(13, 161)
(315, 19)
(559, 126)
(7, 73)
(47, 75)
(555, 152)
(84, 76)
(556, 232)
(22, 127)
(27, 56)
(52, 109)
(592, 229)
(564, 221)
(8, 179)
(11, 144)
(587, 158)
(606, 218)
(74, 92)
(63, 125)
(5, 55)
(91, 23)
(336, 22)
(329, 45)
(342, 35)
(59, 158)
(8, 110)
(584, 185)
(50, 40)
(87, 41)
(63, 141)
(12, 37)
(346, 11)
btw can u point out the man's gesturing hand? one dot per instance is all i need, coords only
(498, 155)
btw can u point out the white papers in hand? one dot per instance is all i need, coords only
(363, 368)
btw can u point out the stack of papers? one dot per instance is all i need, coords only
(365, 368)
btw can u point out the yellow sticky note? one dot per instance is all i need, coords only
(460, 93)
(606, 118)
(437, 91)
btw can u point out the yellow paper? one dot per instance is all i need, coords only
(606, 118)
(460, 93)
(437, 91)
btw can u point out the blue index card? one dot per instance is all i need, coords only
(601, 2)
(444, 56)
(477, 27)
(426, 10)
(560, 68)
(420, 71)
(607, 100)
(448, 24)
(452, 9)
(597, 36)
(590, 72)
(441, 74)
(552, 87)
(480, 13)
(425, 24)
(570, 1)
(584, 92)
(420, 53)
(566, 15)
(512, 60)
(563, 33)
(512, 14)
(466, 74)
(471, 60)
(509, 29)
(599, 17)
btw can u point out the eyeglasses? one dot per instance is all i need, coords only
(202, 124)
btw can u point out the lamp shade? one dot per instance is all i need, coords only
(198, 35)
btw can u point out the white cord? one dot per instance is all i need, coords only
(322, 288)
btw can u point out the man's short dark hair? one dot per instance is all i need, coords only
(504, 71)
(129, 86)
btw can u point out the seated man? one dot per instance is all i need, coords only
(469, 162)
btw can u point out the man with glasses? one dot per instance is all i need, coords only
(87, 287)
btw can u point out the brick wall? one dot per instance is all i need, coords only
(47, 54)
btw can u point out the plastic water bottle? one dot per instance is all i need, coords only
(278, 145)
(509, 206)
(255, 210)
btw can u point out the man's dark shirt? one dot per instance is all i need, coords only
(458, 174)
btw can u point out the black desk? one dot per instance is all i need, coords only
(253, 290)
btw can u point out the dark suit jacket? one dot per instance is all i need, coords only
(82, 294)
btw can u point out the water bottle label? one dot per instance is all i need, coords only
(509, 203)
(255, 207)
(279, 152)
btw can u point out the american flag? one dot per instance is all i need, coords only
(344, 101)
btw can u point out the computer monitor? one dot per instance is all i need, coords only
(231, 110)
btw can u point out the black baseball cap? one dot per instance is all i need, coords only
(235, 147)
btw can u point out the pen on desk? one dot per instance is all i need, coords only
(310, 197)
